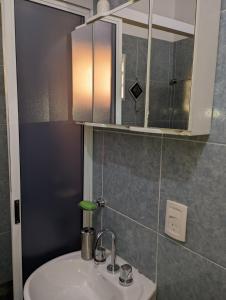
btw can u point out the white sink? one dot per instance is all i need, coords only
(69, 277)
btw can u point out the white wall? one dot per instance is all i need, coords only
(83, 3)
(185, 10)
(182, 10)
(164, 8)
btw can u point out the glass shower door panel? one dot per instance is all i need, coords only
(51, 144)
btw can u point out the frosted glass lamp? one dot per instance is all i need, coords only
(93, 49)
(82, 74)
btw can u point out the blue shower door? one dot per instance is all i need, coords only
(51, 144)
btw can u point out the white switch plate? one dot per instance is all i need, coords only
(176, 220)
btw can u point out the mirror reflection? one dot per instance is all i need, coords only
(171, 63)
(134, 78)
(170, 84)
(134, 60)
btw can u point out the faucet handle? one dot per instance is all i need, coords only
(113, 268)
(100, 255)
(126, 275)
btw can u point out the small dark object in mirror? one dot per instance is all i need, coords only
(173, 81)
(136, 90)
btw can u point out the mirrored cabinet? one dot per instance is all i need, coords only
(147, 65)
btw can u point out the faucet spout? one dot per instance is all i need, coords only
(112, 267)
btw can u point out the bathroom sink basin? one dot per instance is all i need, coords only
(70, 278)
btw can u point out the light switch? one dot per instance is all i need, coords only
(176, 220)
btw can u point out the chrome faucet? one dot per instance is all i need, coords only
(112, 267)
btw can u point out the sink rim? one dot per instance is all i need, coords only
(149, 287)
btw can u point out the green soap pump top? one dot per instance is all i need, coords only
(88, 205)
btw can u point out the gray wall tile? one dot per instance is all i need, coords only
(183, 55)
(136, 66)
(95, 6)
(131, 176)
(97, 220)
(128, 106)
(160, 58)
(98, 152)
(135, 244)
(159, 104)
(133, 111)
(140, 108)
(223, 4)
(181, 104)
(5, 261)
(183, 275)
(170, 60)
(142, 59)
(194, 174)
(98, 143)
(218, 130)
(130, 47)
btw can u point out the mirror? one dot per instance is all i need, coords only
(134, 63)
(135, 70)
(171, 63)
(110, 66)
(93, 52)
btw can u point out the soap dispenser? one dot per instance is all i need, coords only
(88, 237)
(87, 233)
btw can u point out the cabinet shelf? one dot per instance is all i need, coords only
(173, 25)
(158, 21)
(154, 130)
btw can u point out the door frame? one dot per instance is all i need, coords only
(11, 98)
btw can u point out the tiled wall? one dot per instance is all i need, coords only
(160, 90)
(169, 60)
(5, 233)
(137, 173)
(169, 103)
(180, 93)
(135, 49)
